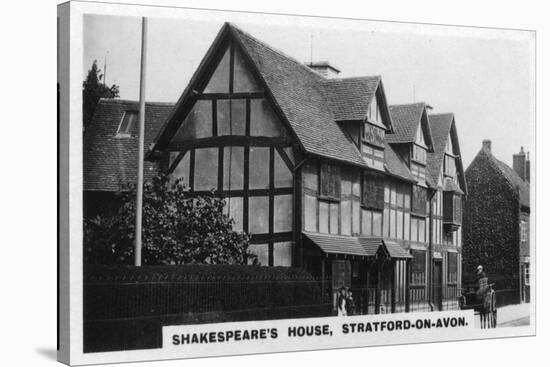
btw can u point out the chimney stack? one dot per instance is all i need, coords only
(519, 164)
(324, 68)
(487, 146)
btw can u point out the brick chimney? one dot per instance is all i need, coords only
(324, 68)
(519, 164)
(487, 146)
(528, 169)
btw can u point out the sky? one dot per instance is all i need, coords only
(483, 76)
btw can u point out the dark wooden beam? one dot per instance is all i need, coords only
(228, 140)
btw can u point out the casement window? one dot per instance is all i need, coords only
(127, 123)
(373, 145)
(419, 154)
(419, 200)
(418, 270)
(452, 267)
(449, 166)
(523, 231)
(419, 232)
(373, 190)
(329, 181)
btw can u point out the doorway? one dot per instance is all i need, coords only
(437, 285)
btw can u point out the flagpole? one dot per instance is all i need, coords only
(139, 196)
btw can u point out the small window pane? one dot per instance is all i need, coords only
(258, 214)
(282, 213)
(283, 176)
(323, 217)
(243, 79)
(234, 208)
(310, 176)
(367, 222)
(259, 168)
(233, 168)
(262, 253)
(386, 194)
(231, 116)
(356, 216)
(393, 227)
(346, 217)
(282, 254)
(421, 230)
(399, 224)
(198, 123)
(334, 208)
(386, 222)
(219, 82)
(181, 171)
(407, 225)
(263, 121)
(376, 224)
(206, 169)
(414, 229)
(127, 124)
(310, 213)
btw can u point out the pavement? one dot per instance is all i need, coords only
(512, 315)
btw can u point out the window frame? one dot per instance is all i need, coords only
(129, 128)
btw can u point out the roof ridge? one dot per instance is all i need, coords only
(364, 77)
(128, 101)
(271, 48)
(407, 104)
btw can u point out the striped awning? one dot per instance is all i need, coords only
(334, 244)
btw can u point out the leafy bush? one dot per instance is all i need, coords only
(177, 229)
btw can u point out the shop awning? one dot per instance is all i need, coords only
(396, 251)
(334, 244)
(371, 244)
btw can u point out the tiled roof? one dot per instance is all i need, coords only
(349, 98)
(396, 251)
(335, 244)
(109, 161)
(395, 165)
(440, 125)
(406, 118)
(300, 94)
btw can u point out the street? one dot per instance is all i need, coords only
(524, 321)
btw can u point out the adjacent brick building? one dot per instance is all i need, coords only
(496, 222)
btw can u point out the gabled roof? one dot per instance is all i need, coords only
(441, 126)
(300, 94)
(350, 98)
(307, 102)
(406, 118)
(395, 166)
(508, 173)
(109, 161)
(515, 180)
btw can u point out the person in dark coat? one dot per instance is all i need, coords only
(482, 282)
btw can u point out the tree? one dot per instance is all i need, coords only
(177, 229)
(92, 90)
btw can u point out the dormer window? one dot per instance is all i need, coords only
(418, 157)
(449, 164)
(127, 124)
(373, 115)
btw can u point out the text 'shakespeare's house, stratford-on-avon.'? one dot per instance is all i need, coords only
(496, 229)
(320, 170)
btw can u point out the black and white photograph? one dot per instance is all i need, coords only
(270, 183)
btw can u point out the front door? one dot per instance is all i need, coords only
(437, 285)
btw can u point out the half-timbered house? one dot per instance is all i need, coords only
(323, 173)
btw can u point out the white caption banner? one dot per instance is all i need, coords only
(316, 333)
